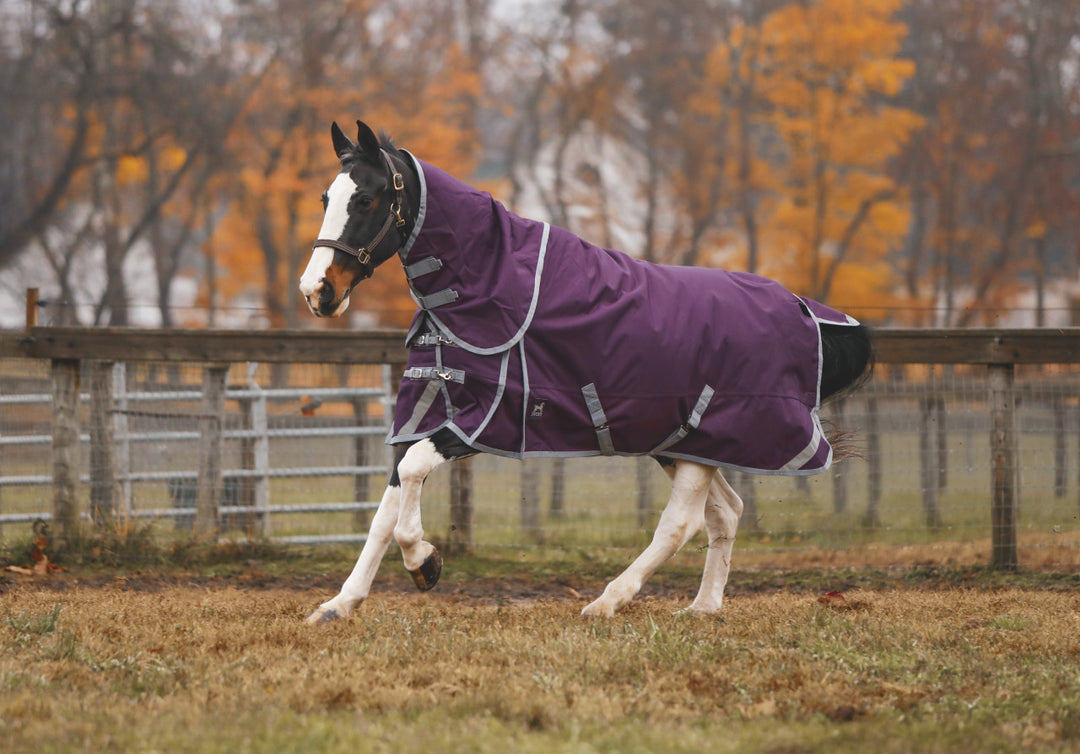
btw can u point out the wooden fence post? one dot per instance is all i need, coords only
(122, 430)
(643, 471)
(928, 477)
(361, 457)
(873, 457)
(1003, 456)
(31, 307)
(208, 490)
(557, 509)
(840, 486)
(1060, 468)
(103, 484)
(461, 538)
(530, 500)
(65, 449)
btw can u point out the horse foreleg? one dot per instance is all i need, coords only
(356, 588)
(422, 560)
(682, 519)
(722, 510)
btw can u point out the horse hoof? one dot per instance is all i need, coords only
(427, 575)
(324, 615)
(598, 609)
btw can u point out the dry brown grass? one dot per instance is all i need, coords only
(183, 667)
(1038, 551)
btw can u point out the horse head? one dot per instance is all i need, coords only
(366, 219)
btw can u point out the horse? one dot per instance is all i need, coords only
(531, 342)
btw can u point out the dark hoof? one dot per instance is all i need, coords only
(427, 575)
(324, 616)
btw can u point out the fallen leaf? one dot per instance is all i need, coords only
(832, 599)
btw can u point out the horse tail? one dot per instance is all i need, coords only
(847, 358)
(847, 361)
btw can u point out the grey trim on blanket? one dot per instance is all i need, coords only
(421, 210)
(482, 448)
(495, 403)
(695, 419)
(422, 407)
(811, 448)
(516, 338)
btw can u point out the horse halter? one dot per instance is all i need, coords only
(395, 217)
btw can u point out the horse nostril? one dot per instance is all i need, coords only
(326, 292)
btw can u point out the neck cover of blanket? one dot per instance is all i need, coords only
(532, 342)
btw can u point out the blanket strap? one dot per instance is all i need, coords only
(431, 339)
(599, 419)
(438, 298)
(425, 266)
(692, 423)
(434, 373)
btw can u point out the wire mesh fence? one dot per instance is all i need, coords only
(302, 458)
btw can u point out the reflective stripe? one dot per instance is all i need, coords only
(434, 373)
(692, 423)
(425, 266)
(809, 451)
(699, 408)
(437, 299)
(421, 408)
(599, 419)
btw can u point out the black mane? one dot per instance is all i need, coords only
(386, 143)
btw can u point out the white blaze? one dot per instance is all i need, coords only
(337, 214)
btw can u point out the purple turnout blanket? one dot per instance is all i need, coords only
(532, 342)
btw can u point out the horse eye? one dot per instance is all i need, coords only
(364, 201)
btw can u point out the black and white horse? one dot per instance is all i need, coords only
(530, 342)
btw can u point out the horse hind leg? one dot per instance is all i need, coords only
(682, 519)
(723, 507)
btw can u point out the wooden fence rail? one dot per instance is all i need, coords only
(998, 350)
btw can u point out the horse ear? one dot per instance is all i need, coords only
(342, 146)
(367, 141)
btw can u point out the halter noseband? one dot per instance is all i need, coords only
(363, 254)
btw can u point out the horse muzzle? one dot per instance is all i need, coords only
(324, 300)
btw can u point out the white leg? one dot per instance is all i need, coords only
(722, 510)
(421, 558)
(681, 520)
(356, 587)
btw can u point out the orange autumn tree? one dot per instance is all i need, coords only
(830, 72)
(331, 66)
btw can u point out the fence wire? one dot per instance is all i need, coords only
(311, 466)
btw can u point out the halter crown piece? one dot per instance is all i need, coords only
(395, 217)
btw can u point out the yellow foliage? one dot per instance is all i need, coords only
(825, 67)
(131, 170)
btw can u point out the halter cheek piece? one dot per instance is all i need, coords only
(395, 217)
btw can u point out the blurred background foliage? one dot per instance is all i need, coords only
(914, 161)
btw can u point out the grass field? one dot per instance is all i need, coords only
(215, 657)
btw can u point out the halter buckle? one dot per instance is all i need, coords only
(399, 181)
